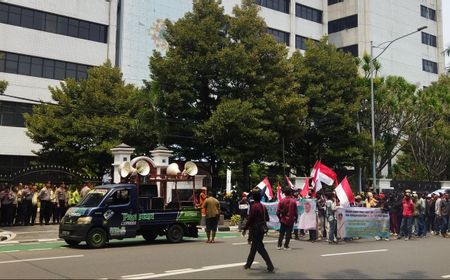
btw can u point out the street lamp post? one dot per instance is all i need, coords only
(372, 103)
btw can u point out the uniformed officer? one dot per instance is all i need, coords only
(44, 198)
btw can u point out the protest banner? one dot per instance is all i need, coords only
(306, 214)
(362, 222)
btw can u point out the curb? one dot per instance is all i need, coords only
(30, 241)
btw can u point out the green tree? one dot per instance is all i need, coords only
(87, 118)
(330, 80)
(226, 87)
(429, 137)
(3, 86)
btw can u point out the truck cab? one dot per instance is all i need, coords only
(120, 211)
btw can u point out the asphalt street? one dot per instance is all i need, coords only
(193, 258)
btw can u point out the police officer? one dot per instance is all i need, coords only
(44, 198)
(27, 204)
(7, 198)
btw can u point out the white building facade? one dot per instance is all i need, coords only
(41, 43)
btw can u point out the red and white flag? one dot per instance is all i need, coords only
(265, 184)
(305, 189)
(290, 184)
(280, 194)
(344, 192)
(323, 174)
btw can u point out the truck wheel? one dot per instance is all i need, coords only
(72, 243)
(149, 235)
(175, 233)
(96, 238)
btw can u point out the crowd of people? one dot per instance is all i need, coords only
(23, 204)
(411, 214)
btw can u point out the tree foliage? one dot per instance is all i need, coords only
(329, 79)
(3, 86)
(88, 118)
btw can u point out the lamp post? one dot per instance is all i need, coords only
(372, 103)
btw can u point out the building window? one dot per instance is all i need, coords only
(332, 2)
(39, 20)
(428, 39)
(300, 42)
(278, 5)
(308, 13)
(280, 36)
(342, 24)
(40, 67)
(427, 12)
(429, 66)
(353, 49)
(11, 113)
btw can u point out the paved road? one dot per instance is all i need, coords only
(135, 259)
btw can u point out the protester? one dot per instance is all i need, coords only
(371, 202)
(257, 218)
(243, 210)
(201, 199)
(212, 210)
(408, 211)
(287, 215)
(330, 208)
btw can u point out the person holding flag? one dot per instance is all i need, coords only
(265, 188)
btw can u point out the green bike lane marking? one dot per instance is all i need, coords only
(35, 246)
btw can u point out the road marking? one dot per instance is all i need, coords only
(445, 276)
(39, 249)
(27, 232)
(178, 270)
(181, 271)
(42, 259)
(245, 243)
(353, 253)
(11, 251)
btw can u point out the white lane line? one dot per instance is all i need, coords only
(182, 271)
(8, 242)
(27, 232)
(39, 249)
(178, 270)
(445, 276)
(245, 243)
(136, 275)
(353, 253)
(48, 240)
(42, 259)
(11, 251)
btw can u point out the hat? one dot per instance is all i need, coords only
(358, 197)
(407, 191)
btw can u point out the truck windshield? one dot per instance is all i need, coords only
(93, 198)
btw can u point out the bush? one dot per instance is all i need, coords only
(235, 219)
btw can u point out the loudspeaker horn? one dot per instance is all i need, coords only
(190, 168)
(125, 169)
(142, 167)
(173, 169)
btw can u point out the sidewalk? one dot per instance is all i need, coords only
(49, 233)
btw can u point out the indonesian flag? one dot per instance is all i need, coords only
(323, 174)
(344, 192)
(290, 184)
(280, 194)
(265, 186)
(305, 189)
(313, 171)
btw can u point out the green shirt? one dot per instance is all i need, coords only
(212, 207)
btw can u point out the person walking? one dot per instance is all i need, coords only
(212, 211)
(255, 224)
(287, 215)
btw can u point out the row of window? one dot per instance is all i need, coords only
(34, 19)
(332, 2)
(11, 113)
(342, 24)
(428, 39)
(308, 13)
(278, 5)
(300, 42)
(280, 36)
(41, 67)
(429, 66)
(428, 12)
(353, 49)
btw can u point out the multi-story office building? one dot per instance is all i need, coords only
(41, 43)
